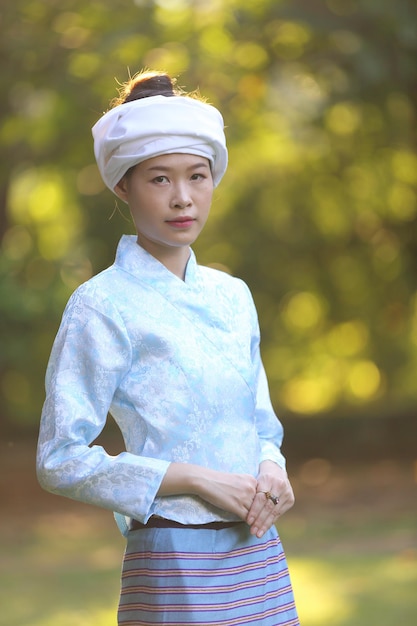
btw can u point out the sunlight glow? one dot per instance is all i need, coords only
(216, 42)
(404, 165)
(348, 338)
(343, 118)
(172, 58)
(320, 597)
(104, 617)
(303, 310)
(364, 380)
(83, 64)
(310, 394)
(41, 200)
(402, 200)
(290, 38)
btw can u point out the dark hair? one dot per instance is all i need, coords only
(146, 84)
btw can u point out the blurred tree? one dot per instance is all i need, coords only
(316, 211)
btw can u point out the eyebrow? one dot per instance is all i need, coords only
(167, 168)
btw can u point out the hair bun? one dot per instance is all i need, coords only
(148, 84)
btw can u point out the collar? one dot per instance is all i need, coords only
(132, 258)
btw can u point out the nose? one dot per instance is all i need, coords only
(181, 197)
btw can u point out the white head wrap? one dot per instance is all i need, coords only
(141, 129)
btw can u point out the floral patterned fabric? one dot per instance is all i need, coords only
(178, 366)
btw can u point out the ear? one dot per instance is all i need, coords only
(121, 189)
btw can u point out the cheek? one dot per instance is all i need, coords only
(205, 213)
(207, 195)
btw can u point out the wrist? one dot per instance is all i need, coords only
(268, 466)
(182, 479)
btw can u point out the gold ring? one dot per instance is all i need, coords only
(270, 496)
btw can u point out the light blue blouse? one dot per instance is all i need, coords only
(177, 364)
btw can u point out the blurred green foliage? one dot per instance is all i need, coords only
(317, 211)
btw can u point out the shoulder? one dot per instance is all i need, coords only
(223, 279)
(225, 287)
(99, 294)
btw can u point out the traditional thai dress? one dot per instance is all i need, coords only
(177, 364)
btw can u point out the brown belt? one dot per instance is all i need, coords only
(160, 522)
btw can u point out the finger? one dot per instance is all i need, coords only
(263, 523)
(256, 507)
(262, 519)
(274, 497)
(272, 508)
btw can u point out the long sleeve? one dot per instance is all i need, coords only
(90, 357)
(269, 427)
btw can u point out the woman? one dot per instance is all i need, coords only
(171, 349)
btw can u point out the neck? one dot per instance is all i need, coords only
(174, 259)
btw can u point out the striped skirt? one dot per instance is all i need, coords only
(221, 577)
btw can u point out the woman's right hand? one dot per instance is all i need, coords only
(231, 492)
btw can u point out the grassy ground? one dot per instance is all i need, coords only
(351, 542)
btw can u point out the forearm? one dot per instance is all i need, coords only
(182, 478)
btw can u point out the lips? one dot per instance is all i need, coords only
(181, 222)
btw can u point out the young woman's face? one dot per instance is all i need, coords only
(169, 197)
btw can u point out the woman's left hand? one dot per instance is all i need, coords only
(274, 496)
